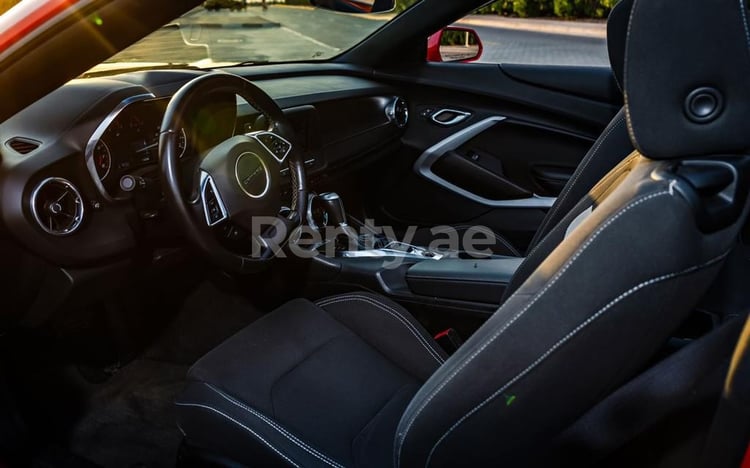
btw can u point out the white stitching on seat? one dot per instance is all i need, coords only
(576, 176)
(402, 437)
(276, 426)
(393, 312)
(570, 335)
(618, 6)
(619, 169)
(744, 23)
(196, 405)
(631, 131)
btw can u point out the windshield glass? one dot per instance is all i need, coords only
(231, 32)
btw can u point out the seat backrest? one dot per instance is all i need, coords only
(612, 146)
(636, 254)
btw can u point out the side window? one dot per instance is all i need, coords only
(539, 32)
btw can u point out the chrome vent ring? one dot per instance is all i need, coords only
(398, 112)
(57, 206)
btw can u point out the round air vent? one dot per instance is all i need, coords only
(398, 112)
(57, 206)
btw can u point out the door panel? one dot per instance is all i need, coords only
(586, 82)
(501, 148)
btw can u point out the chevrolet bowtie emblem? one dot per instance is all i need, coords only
(252, 175)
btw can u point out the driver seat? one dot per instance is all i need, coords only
(354, 380)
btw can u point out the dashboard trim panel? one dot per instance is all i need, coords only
(99, 133)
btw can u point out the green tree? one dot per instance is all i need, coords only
(402, 5)
(583, 8)
(532, 8)
(500, 7)
(559, 8)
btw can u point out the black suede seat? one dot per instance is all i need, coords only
(355, 381)
(343, 370)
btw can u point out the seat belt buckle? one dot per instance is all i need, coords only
(449, 340)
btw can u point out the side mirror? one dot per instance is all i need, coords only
(453, 44)
(356, 6)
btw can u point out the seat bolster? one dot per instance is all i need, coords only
(389, 328)
(612, 146)
(555, 233)
(578, 328)
(240, 432)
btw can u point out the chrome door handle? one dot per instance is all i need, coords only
(458, 117)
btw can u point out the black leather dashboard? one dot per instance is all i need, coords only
(339, 117)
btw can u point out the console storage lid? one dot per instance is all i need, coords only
(468, 280)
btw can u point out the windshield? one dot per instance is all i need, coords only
(231, 32)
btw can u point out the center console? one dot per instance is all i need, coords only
(482, 280)
(354, 253)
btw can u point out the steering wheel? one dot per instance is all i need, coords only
(240, 179)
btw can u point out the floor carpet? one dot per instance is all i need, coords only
(129, 420)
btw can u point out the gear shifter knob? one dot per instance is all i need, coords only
(334, 206)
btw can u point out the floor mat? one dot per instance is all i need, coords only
(130, 420)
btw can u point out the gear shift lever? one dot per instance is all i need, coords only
(334, 206)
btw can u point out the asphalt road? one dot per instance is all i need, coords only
(530, 47)
(291, 33)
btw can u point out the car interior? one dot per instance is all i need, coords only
(377, 260)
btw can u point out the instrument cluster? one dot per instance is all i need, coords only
(126, 145)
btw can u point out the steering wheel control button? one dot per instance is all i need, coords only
(214, 212)
(252, 175)
(704, 105)
(213, 206)
(278, 146)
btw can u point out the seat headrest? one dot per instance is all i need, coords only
(617, 30)
(687, 77)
